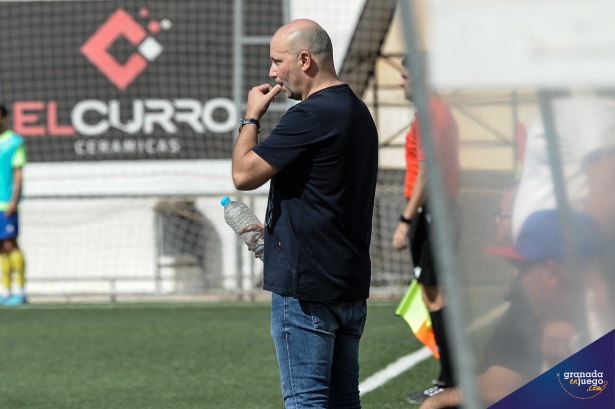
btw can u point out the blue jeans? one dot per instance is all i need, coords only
(317, 346)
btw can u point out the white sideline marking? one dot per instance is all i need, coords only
(393, 370)
(407, 362)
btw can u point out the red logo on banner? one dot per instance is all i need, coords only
(120, 23)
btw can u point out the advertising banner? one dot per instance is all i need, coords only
(109, 80)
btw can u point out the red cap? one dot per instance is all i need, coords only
(507, 252)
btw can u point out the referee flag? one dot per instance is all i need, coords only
(412, 308)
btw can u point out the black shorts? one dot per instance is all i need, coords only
(421, 246)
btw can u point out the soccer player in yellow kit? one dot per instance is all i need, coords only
(12, 160)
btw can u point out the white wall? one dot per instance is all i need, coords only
(100, 234)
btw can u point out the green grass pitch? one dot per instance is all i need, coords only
(210, 356)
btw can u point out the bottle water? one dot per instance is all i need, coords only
(238, 215)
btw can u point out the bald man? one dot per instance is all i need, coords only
(321, 159)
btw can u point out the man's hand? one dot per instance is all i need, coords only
(259, 99)
(10, 210)
(249, 170)
(259, 236)
(400, 237)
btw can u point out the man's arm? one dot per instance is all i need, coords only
(417, 198)
(498, 382)
(17, 184)
(250, 170)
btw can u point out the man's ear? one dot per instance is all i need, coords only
(305, 59)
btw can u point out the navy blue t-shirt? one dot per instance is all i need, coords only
(319, 215)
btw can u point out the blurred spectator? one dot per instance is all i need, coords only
(585, 128)
(537, 326)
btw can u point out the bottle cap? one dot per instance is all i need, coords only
(225, 200)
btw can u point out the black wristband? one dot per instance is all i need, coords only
(404, 220)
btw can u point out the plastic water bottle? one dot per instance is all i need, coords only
(238, 215)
